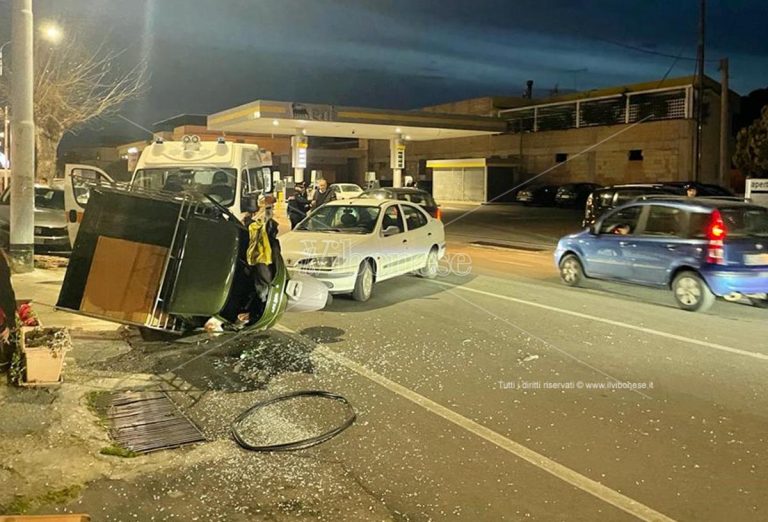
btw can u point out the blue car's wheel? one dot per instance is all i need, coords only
(691, 292)
(571, 271)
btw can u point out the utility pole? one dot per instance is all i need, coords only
(725, 124)
(700, 90)
(23, 144)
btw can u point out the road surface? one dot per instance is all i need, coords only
(501, 394)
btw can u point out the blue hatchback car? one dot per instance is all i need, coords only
(700, 248)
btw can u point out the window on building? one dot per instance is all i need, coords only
(636, 155)
(561, 157)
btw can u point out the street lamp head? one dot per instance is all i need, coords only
(51, 32)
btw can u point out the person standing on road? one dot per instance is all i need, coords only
(298, 205)
(691, 191)
(322, 195)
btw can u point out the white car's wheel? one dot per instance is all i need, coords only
(364, 282)
(430, 267)
(691, 292)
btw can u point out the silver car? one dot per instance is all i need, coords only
(50, 220)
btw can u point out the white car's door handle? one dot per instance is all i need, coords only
(429, 233)
(405, 240)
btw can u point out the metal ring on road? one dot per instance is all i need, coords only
(299, 444)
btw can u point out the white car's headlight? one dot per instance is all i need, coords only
(320, 262)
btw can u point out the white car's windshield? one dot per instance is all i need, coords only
(49, 198)
(218, 183)
(351, 219)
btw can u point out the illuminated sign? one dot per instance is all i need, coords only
(307, 111)
(299, 150)
(757, 191)
(397, 153)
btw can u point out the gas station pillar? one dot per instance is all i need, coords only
(299, 149)
(397, 160)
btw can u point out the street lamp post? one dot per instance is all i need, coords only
(23, 143)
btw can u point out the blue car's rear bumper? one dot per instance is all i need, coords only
(723, 281)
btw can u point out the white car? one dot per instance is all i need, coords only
(350, 245)
(346, 190)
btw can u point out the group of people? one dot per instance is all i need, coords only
(299, 204)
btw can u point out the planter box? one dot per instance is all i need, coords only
(43, 364)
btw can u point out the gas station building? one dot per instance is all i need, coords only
(339, 141)
(476, 150)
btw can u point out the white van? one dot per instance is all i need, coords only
(230, 174)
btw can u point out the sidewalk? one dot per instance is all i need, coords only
(50, 439)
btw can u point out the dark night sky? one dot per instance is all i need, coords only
(208, 55)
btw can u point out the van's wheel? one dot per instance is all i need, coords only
(430, 268)
(691, 292)
(571, 271)
(364, 282)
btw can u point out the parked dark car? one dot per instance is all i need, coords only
(574, 194)
(700, 248)
(607, 198)
(537, 195)
(702, 189)
(414, 195)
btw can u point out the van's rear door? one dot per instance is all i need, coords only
(78, 181)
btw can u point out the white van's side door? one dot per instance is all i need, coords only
(78, 181)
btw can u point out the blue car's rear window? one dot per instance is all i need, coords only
(739, 222)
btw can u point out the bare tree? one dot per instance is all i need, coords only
(751, 156)
(73, 86)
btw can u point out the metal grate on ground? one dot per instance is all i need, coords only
(149, 421)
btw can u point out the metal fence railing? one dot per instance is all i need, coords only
(653, 105)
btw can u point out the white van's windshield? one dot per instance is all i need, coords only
(218, 183)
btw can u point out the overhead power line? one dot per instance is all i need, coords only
(648, 51)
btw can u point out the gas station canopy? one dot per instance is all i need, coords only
(291, 118)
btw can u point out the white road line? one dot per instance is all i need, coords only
(697, 342)
(586, 484)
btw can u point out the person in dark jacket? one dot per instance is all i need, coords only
(298, 205)
(322, 195)
(7, 312)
